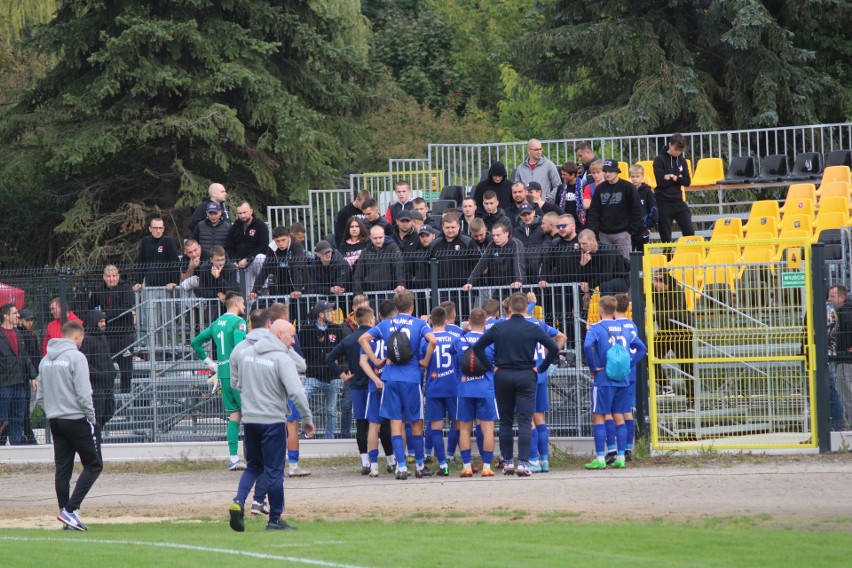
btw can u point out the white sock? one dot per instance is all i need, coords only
(365, 460)
(235, 459)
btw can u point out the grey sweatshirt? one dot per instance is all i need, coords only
(250, 340)
(267, 377)
(63, 382)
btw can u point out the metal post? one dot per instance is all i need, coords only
(243, 289)
(63, 299)
(637, 299)
(820, 347)
(433, 273)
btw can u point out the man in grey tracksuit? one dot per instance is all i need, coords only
(267, 378)
(66, 393)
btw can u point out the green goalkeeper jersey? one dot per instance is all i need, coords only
(225, 333)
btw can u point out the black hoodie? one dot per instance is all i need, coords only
(101, 370)
(667, 190)
(502, 189)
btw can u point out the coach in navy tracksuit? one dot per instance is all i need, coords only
(515, 375)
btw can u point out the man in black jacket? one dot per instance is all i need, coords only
(213, 230)
(115, 298)
(502, 260)
(493, 213)
(248, 243)
(318, 338)
(101, 370)
(454, 255)
(529, 233)
(380, 267)
(497, 180)
(216, 193)
(672, 174)
(286, 264)
(157, 262)
(330, 273)
(16, 369)
(616, 212)
(839, 298)
(27, 320)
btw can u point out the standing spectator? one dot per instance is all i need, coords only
(616, 212)
(16, 372)
(535, 197)
(493, 213)
(374, 219)
(345, 215)
(468, 214)
(66, 393)
(403, 201)
(537, 167)
(453, 253)
(286, 265)
(586, 156)
(838, 296)
(115, 298)
(157, 264)
(380, 267)
(193, 257)
(216, 193)
(479, 235)
(502, 260)
(495, 181)
(216, 279)
(248, 243)
(101, 370)
(403, 232)
(515, 375)
(594, 178)
(318, 338)
(213, 230)
(357, 239)
(836, 414)
(672, 175)
(519, 197)
(27, 320)
(54, 328)
(548, 226)
(329, 272)
(569, 194)
(274, 381)
(649, 205)
(418, 270)
(298, 233)
(529, 233)
(420, 206)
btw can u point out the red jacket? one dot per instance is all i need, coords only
(54, 330)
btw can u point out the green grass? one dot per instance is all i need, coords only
(495, 538)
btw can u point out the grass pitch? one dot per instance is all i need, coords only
(492, 538)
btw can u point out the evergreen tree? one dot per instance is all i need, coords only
(152, 100)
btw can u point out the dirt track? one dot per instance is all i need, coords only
(804, 488)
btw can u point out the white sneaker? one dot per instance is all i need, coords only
(298, 472)
(238, 465)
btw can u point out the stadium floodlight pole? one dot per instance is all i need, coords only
(637, 300)
(820, 354)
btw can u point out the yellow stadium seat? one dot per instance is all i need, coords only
(762, 224)
(829, 221)
(648, 166)
(708, 172)
(836, 173)
(799, 206)
(691, 239)
(727, 226)
(625, 173)
(689, 167)
(685, 273)
(757, 235)
(681, 255)
(835, 204)
(719, 268)
(755, 258)
(732, 244)
(800, 190)
(658, 260)
(796, 223)
(831, 188)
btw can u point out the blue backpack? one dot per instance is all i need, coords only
(617, 361)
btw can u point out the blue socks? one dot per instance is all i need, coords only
(600, 439)
(543, 441)
(487, 457)
(452, 440)
(418, 450)
(631, 433)
(399, 451)
(465, 456)
(438, 446)
(621, 438)
(534, 444)
(428, 441)
(610, 435)
(293, 456)
(479, 438)
(374, 456)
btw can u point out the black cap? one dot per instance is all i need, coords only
(323, 246)
(214, 207)
(404, 214)
(427, 230)
(525, 207)
(323, 306)
(416, 215)
(26, 315)
(611, 166)
(534, 185)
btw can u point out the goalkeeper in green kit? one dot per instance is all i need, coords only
(225, 333)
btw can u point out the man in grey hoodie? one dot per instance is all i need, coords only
(66, 393)
(267, 377)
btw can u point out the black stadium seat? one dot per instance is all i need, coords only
(831, 238)
(454, 192)
(808, 165)
(839, 158)
(772, 168)
(441, 205)
(740, 170)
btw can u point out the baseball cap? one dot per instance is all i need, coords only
(323, 246)
(323, 306)
(26, 315)
(525, 208)
(427, 230)
(416, 215)
(214, 207)
(404, 214)
(611, 166)
(534, 185)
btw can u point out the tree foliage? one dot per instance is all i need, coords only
(152, 100)
(626, 67)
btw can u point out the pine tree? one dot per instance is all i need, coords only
(152, 100)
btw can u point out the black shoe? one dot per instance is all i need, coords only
(390, 468)
(443, 471)
(628, 455)
(402, 474)
(610, 457)
(237, 522)
(425, 472)
(365, 470)
(281, 525)
(427, 459)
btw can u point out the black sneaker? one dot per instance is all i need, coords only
(402, 474)
(258, 508)
(628, 455)
(425, 472)
(390, 468)
(610, 457)
(443, 471)
(365, 470)
(427, 460)
(281, 525)
(237, 522)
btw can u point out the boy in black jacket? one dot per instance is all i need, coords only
(672, 176)
(101, 370)
(649, 202)
(318, 339)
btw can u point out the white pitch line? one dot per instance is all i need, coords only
(183, 547)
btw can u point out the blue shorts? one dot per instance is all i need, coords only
(470, 409)
(542, 398)
(631, 393)
(401, 401)
(610, 400)
(359, 403)
(294, 413)
(374, 401)
(437, 408)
